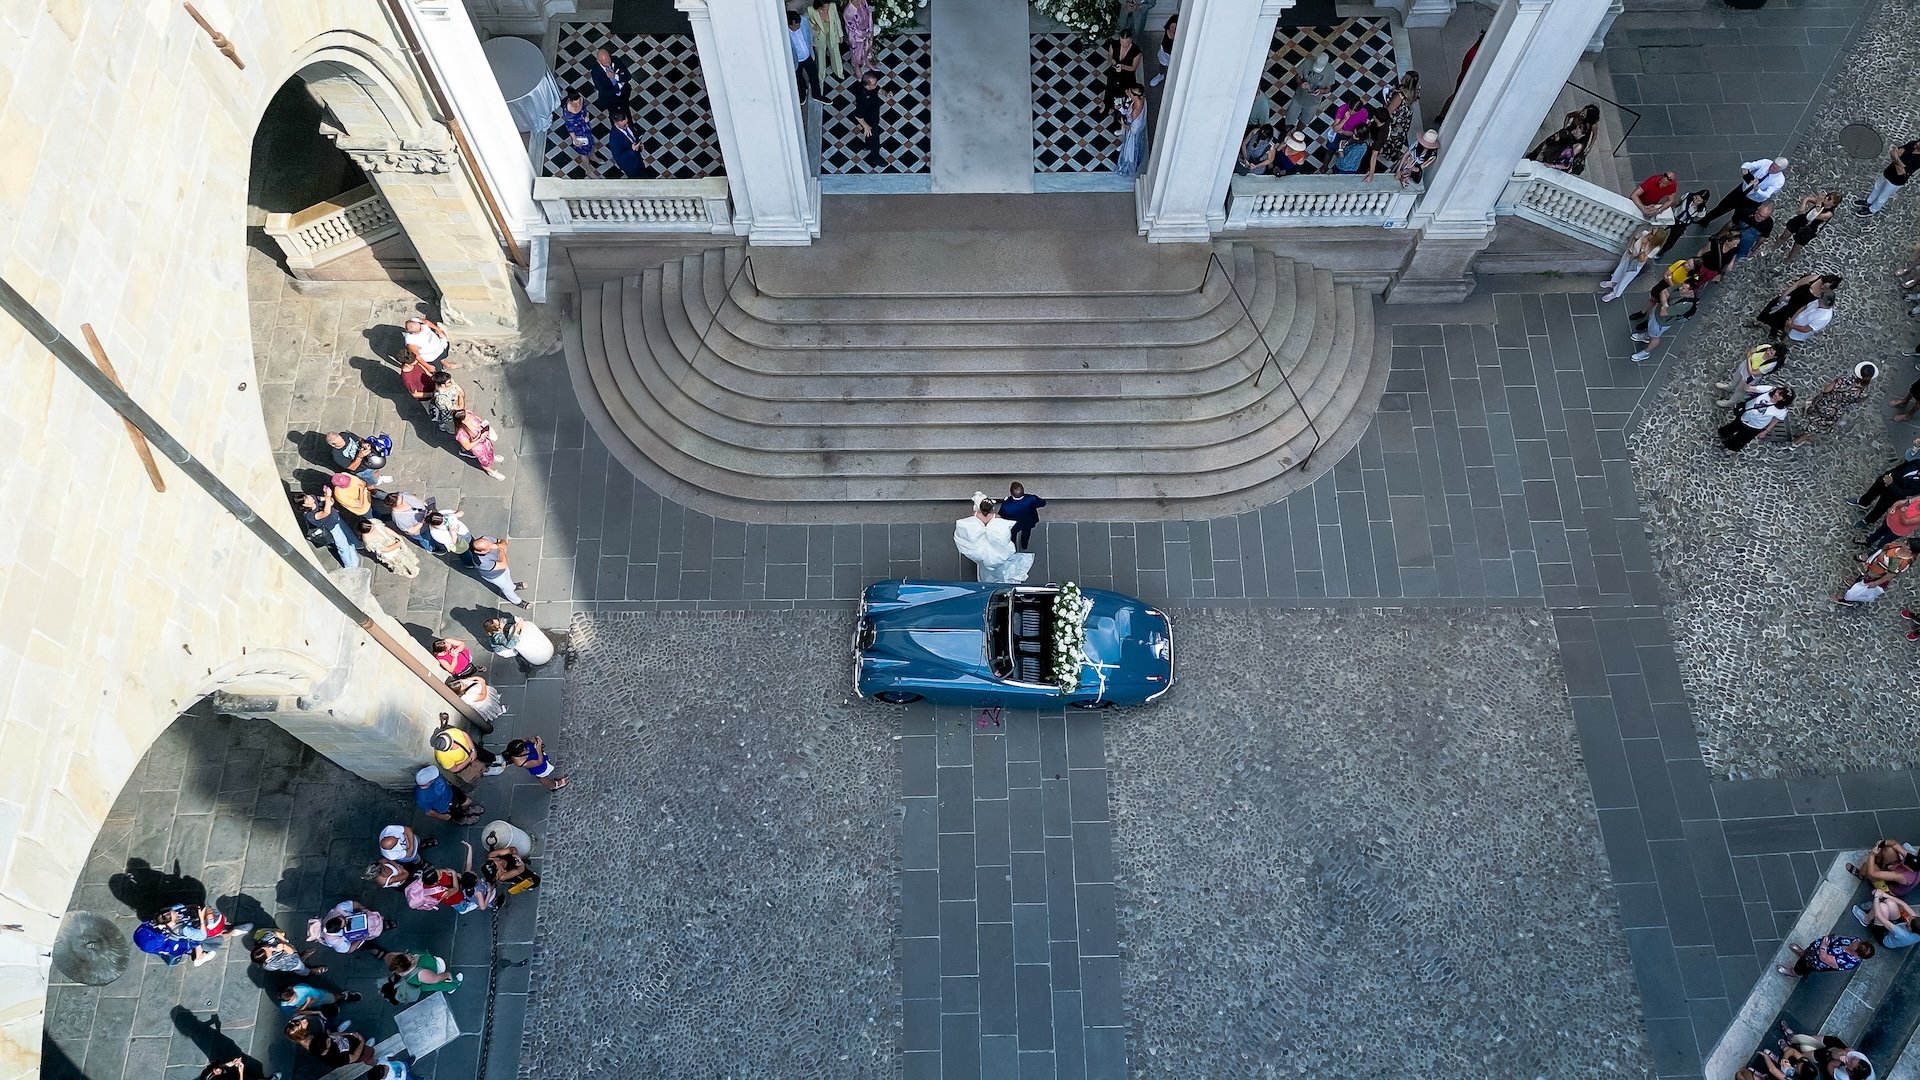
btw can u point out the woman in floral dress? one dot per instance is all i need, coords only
(858, 21)
(475, 436)
(1399, 110)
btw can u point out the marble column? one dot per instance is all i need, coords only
(453, 46)
(1529, 52)
(748, 67)
(1219, 56)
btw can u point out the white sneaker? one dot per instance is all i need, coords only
(1642, 338)
(496, 768)
(1725, 403)
(1639, 356)
(1723, 386)
(496, 474)
(382, 479)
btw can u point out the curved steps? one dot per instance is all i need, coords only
(1134, 406)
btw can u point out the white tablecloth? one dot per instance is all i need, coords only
(525, 81)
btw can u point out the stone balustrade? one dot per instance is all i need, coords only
(634, 206)
(1284, 202)
(325, 231)
(1573, 207)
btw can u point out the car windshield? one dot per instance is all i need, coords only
(1020, 636)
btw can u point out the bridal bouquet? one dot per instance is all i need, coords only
(1070, 611)
(1095, 17)
(893, 16)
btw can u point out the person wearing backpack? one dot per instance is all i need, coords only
(1761, 361)
(363, 458)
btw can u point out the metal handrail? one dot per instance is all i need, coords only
(1245, 311)
(745, 267)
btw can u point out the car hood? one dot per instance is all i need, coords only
(1121, 634)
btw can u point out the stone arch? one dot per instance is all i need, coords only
(381, 118)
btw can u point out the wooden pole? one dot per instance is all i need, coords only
(219, 39)
(139, 441)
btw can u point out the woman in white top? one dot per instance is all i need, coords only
(987, 539)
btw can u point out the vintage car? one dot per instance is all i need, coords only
(982, 643)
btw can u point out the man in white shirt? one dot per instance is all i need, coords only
(427, 342)
(800, 37)
(1760, 181)
(1811, 319)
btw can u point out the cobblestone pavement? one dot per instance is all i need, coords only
(1304, 846)
(239, 813)
(722, 902)
(1760, 643)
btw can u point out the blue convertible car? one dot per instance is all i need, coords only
(981, 643)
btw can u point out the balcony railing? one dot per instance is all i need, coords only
(1573, 207)
(574, 207)
(1290, 202)
(325, 231)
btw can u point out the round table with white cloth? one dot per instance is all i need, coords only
(525, 81)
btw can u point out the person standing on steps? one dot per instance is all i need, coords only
(1904, 159)
(1023, 510)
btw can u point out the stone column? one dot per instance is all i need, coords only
(447, 225)
(1528, 53)
(1218, 57)
(747, 64)
(450, 42)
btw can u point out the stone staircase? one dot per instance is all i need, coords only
(1875, 1008)
(1122, 405)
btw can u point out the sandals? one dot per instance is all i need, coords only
(559, 784)
(1782, 969)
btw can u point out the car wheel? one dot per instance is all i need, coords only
(1091, 704)
(896, 697)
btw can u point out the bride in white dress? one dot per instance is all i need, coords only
(987, 539)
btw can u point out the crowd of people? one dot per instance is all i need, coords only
(1368, 135)
(289, 973)
(358, 511)
(1758, 401)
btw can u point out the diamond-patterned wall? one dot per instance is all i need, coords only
(670, 105)
(1067, 76)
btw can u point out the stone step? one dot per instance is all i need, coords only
(1170, 435)
(1040, 412)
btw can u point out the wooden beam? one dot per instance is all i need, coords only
(139, 441)
(219, 39)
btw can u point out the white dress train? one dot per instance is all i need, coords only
(990, 546)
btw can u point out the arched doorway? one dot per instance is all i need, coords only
(414, 216)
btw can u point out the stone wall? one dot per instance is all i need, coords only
(123, 204)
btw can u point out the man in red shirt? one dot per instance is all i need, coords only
(1656, 193)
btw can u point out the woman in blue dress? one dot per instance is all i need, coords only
(1133, 138)
(579, 126)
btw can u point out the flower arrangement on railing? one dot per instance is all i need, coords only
(894, 16)
(1095, 17)
(1070, 611)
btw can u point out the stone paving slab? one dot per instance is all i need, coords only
(273, 833)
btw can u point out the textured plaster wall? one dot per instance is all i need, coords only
(122, 203)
